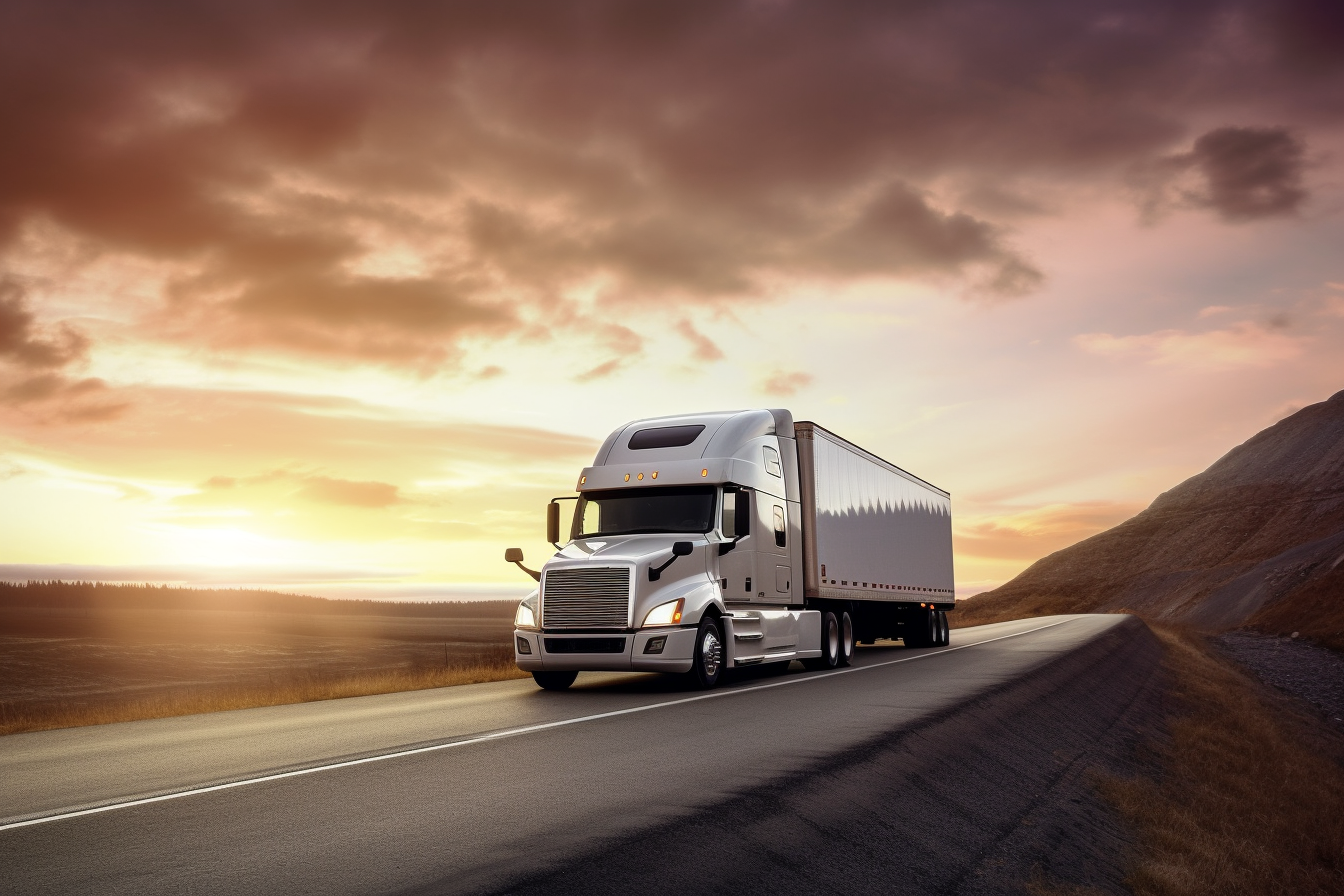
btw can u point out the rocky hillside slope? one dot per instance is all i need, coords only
(1256, 539)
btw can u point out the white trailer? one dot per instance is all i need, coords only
(711, 541)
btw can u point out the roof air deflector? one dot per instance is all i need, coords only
(666, 436)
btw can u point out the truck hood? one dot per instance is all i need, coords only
(637, 549)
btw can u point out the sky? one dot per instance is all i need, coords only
(334, 297)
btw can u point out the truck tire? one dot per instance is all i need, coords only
(830, 645)
(944, 631)
(554, 681)
(921, 629)
(846, 639)
(709, 658)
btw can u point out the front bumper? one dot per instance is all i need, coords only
(675, 656)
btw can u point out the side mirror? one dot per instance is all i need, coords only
(515, 555)
(553, 523)
(679, 549)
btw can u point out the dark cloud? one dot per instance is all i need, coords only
(50, 385)
(1242, 174)
(34, 362)
(1309, 34)
(1251, 172)
(900, 231)
(56, 398)
(660, 151)
(20, 341)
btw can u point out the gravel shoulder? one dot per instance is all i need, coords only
(1308, 672)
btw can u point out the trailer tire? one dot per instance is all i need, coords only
(709, 659)
(846, 639)
(944, 630)
(830, 645)
(554, 681)
(921, 629)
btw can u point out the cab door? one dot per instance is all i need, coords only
(758, 568)
(738, 576)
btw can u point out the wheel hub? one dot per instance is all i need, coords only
(711, 653)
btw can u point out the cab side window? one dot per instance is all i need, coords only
(772, 462)
(779, 526)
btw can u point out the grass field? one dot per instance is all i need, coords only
(110, 659)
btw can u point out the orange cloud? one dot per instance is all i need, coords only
(786, 383)
(187, 435)
(1032, 534)
(703, 348)
(1243, 345)
(311, 487)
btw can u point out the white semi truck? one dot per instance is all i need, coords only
(706, 542)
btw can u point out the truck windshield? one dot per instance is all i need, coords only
(635, 511)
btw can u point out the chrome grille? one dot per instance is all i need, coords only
(586, 597)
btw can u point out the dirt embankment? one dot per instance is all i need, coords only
(1246, 792)
(1256, 540)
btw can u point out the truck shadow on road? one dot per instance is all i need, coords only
(655, 683)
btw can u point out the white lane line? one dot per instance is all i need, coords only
(497, 735)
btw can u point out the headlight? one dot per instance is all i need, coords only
(665, 614)
(525, 617)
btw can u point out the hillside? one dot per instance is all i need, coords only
(1257, 539)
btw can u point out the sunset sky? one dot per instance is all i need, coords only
(334, 297)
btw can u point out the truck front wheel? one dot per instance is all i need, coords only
(709, 657)
(554, 681)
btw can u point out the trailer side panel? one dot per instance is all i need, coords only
(877, 533)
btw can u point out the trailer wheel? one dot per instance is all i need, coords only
(830, 645)
(921, 629)
(554, 681)
(846, 639)
(708, 660)
(944, 630)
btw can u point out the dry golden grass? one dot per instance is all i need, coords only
(1250, 794)
(1250, 799)
(298, 689)
(1315, 609)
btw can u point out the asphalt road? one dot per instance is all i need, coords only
(913, 770)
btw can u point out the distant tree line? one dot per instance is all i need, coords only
(104, 595)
